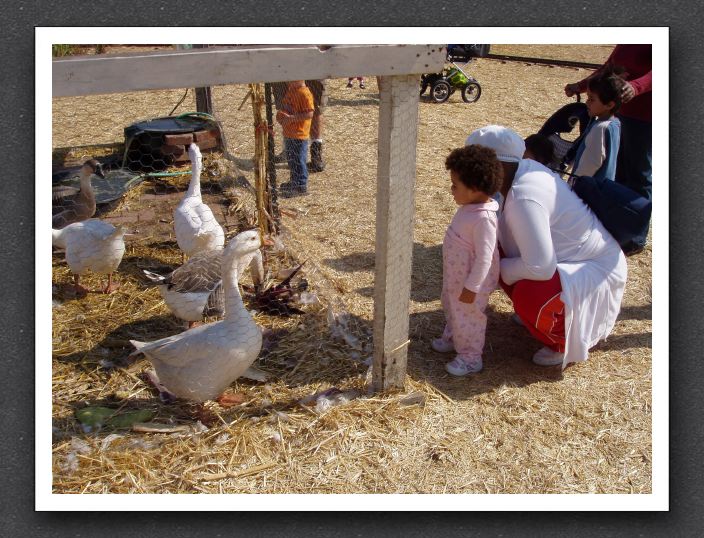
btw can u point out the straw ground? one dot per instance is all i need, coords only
(514, 428)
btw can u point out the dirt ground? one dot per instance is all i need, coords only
(514, 428)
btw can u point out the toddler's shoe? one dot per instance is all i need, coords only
(547, 357)
(349, 84)
(361, 85)
(460, 367)
(442, 346)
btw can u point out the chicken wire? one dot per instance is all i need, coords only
(298, 289)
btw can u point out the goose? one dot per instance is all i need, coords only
(91, 245)
(72, 204)
(196, 228)
(195, 289)
(200, 363)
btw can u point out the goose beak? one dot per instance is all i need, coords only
(267, 241)
(99, 172)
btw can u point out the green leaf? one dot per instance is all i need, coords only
(126, 420)
(94, 416)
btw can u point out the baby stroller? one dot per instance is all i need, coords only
(562, 122)
(453, 78)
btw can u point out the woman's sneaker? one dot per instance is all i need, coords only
(547, 357)
(442, 346)
(459, 367)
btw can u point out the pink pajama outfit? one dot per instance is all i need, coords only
(470, 259)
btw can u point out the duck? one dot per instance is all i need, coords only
(91, 245)
(200, 363)
(73, 204)
(195, 226)
(195, 289)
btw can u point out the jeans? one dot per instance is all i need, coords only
(634, 167)
(296, 155)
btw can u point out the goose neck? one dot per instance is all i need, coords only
(194, 185)
(233, 298)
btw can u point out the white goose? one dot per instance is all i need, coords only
(195, 289)
(91, 245)
(200, 363)
(72, 204)
(196, 228)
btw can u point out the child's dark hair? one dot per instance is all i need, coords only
(477, 167)
(608, 86)
(541, 147)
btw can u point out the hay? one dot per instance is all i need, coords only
(515, 428)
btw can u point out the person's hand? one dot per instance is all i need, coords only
(571, 89)
(627, 92)
(467, 296)
(282, 117)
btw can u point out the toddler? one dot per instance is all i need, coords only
(295, 117)
(598, 146)
(470, 257)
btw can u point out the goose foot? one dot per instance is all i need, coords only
(79, 290)
(112, 286)
(230, 399)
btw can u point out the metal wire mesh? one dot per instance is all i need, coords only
(143, 140)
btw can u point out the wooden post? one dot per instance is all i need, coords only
(260, 142)
(204, 96)
(398, 129)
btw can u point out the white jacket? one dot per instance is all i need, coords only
(544, 227)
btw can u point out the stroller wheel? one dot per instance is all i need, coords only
(471, 92)
(440, 91)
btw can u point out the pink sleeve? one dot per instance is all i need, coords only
(642, 84)
(484, 238)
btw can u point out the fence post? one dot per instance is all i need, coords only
(398, 129)
(204, 96)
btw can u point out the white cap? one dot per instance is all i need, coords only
(507, 144)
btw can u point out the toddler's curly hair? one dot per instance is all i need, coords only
(477, 167)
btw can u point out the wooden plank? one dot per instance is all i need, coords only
(204, 96)
(396, 172)
(196, 68)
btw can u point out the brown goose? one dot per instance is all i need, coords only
(72, 204)
(195, 289)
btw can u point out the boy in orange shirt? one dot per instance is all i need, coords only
(295, 118)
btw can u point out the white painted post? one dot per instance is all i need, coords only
(396, 173)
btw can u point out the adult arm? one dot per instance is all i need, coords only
(637, 86)
(581, 86)
(529, 223)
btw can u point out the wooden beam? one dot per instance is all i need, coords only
(196, 68)
(204, 96)
(396, 174)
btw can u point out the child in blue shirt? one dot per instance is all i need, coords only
(598, 149)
